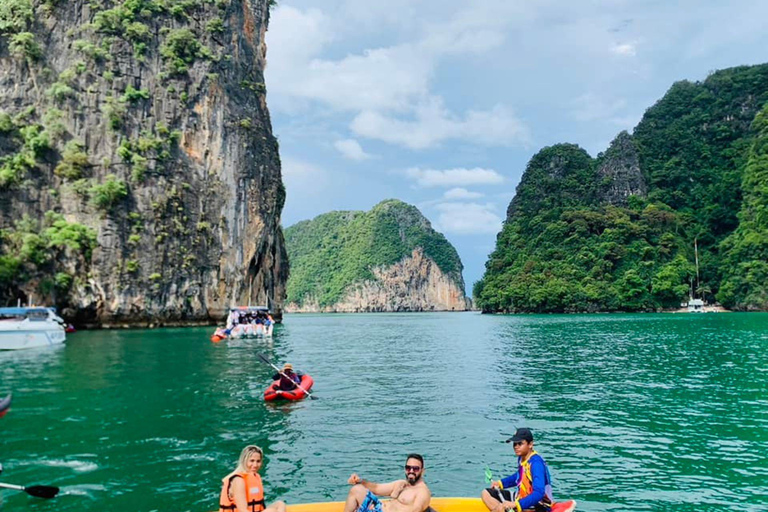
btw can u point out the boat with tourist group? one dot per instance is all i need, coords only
(246, 322)
(30, 327)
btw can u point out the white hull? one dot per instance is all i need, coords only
(25, 334)
(248, 331)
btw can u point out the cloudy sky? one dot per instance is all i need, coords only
(441, 103)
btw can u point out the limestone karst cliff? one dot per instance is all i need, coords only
(139, 177)
(618, 172)
(387, 259)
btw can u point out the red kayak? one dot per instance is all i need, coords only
(5, 405)
(297, 394)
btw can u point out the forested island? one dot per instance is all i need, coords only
(622, 231)
(386, 259)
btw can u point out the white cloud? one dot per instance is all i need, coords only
(625, 49)
(387, 88)
(380, 78)
(468, 218)
(385, 78)
(300, 176)
(434, 124)
(461, 193)
(351, 150)
(453, 177)
(296, 36)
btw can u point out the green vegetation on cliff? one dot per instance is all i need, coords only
(49, 254)
(617, 233)
(745, 251)
(558, 254)
(337, 249)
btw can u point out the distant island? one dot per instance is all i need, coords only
(626, 231)
(386, 259)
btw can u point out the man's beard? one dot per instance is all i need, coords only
(412, 479)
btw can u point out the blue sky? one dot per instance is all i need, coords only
(441, 103)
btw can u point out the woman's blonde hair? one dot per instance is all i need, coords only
(246, 454)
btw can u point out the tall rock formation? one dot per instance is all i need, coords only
(557, 176)
(388, 259)
(617, 233)
(137, 148)
(618, 172)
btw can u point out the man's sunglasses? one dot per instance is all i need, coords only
(412, 469)
(517, 443)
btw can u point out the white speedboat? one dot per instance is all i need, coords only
(246, 322)
(30, 327)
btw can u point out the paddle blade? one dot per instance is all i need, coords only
(264, 358)
(42, 491)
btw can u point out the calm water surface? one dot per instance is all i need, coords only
(632, 412)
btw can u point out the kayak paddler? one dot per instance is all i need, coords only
(529, 488)
(288, 379)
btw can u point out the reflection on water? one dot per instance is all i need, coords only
(633, 412)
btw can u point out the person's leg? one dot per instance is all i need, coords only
(355, 498)
(492, 501)
(278, 506)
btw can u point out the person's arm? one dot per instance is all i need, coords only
(510, 481)
(538, 472)
(377, 489)
(237, 491)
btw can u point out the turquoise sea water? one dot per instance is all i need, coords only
(632, 412)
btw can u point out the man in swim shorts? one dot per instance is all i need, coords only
(409, 495)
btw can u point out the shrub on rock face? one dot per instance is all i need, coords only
(24, 46)
(111, 20)
(73, 160)
(105, 196)
(60, 91)
(13, 167)
(15, 15)
(132, 95)
(181, 48)
(6, 123)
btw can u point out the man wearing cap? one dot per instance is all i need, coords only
(288, 379)
(527, 489)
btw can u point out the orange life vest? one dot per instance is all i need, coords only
(525, 485)
(254, 493)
